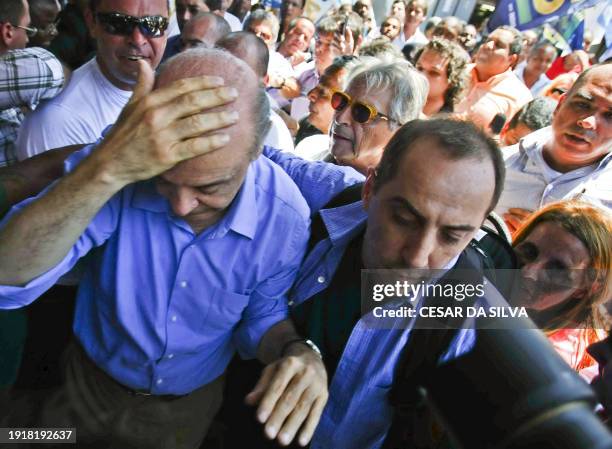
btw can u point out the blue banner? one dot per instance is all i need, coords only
(527, 14)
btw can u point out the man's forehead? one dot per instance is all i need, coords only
(135, 7)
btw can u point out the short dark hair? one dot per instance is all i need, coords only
(516, 46)
(239, 42)
(536, 114)
(458, 139)
(582, 77)
(11, 11)
(542, 44)
(294, 22)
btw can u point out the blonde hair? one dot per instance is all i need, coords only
(593, 226)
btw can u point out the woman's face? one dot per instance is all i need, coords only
(553, 266)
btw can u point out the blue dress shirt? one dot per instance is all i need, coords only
(162, 309)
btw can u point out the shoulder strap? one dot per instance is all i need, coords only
(419, 357)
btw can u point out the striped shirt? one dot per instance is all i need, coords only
(27, 76)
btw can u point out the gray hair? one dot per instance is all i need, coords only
(408, 87)
(536, 114)
(261, 15)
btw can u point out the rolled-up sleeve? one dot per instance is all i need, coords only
(97, 232)
(319, 182)
(268, 302)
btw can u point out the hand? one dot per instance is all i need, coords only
(297, 58)
(344, 43)
(291, 394)
(159, 129)
(515, 217)
(275, 81)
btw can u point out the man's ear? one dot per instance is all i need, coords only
(513, 59)
(559, 103)
(368, 188)
(91, 22)
(7, 32)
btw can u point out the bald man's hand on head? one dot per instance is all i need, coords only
(160, 128)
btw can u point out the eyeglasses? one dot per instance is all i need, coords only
(360, 112)
(51, 28)
(123, 25)
(30, 31)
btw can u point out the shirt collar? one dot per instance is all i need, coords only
(239, 218)
(492, 81)
(345, 222)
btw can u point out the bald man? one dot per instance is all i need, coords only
(202, 30)
(186, 265)
(252, 50)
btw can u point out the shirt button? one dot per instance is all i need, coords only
(290, 303)
(321, 279)
(170, 356)
(159, 381)
(173, 318)
(183, 284)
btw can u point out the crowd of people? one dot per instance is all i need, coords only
(205, 182)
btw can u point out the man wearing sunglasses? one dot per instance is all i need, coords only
(27, 75)
(126, 31)
(570, 158)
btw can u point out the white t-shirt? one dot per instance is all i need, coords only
(234, 22)
(77, 115)
(279, 136)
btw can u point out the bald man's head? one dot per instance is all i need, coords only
(203, 30)
(249, 48)
(202, 188)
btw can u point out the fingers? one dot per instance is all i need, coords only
(145, 82)
(178, 88)
(190, 104)
(313, 419)
(200, 145)
(198, 124)
(520, 213)
(512, 222)
(255, 396)
(308, 409)
(281, 379)
(294, 403)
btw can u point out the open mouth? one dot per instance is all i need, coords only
(574, 138)
(134, 57)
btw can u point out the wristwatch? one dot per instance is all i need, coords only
(303, 341)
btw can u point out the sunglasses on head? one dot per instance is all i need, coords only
(123, 25)
(360, 112)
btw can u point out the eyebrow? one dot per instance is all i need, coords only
(584, 96)
(403, 202)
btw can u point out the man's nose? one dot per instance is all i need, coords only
(589, 122)
(344, 116)
(417, 252)
(183, 202)
(137, 38)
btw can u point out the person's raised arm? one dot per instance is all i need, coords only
(155, 131)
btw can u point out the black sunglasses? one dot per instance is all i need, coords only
(123, 25)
